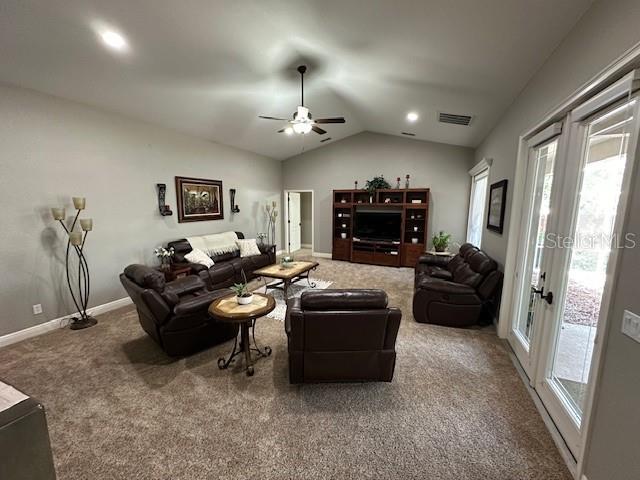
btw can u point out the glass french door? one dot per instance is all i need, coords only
(575, 192)
(583, 263)
(531, 272)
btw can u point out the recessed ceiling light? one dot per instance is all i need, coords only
(288, 131)
(412, 116)
(113, 40)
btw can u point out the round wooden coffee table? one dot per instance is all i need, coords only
(226, 309)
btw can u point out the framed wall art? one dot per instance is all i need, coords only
(199, 199)
(497, 205)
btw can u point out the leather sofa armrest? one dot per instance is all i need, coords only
(157, 305)
(198, 303)
(393, 325)
(444, 286)
(434, 260)
(294, 324)
(267, 248)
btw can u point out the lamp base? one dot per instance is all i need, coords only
(83, 322)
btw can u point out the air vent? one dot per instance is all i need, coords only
(325, 139)
(408, 134)
(454, 119)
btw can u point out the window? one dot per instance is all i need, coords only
(479, 181)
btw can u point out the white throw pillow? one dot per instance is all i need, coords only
(248, 248)
(199, 257)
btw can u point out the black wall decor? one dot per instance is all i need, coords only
(165, 210)
(234, 207)
(497, 206)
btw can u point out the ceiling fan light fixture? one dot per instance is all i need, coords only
(302, 113)
(302, 128)
(288, 131)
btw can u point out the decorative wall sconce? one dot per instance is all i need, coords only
(77, 239)
(165, 210)
(234, 207)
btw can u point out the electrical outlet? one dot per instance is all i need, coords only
(37, 309)
(631, 325)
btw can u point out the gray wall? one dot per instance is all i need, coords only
(442, 168)
(306, 216)
(604, 33)
(52, 149)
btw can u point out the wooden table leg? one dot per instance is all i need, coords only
(285, 289)
(244, 332)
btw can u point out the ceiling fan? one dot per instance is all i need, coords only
(302, 122)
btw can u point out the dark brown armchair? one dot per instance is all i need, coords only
(341, 336)
(175, 314)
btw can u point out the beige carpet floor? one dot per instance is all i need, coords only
(119, 409)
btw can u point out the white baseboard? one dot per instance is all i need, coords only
(305, 245)
(320, 254)
(61, 322)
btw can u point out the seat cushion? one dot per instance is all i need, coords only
(221, 272)
(439, 272)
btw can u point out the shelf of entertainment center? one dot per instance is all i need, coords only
(351, 206)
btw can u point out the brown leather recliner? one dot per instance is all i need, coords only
(459, 291)
(341, 336)
(228, 267)
(175, 314)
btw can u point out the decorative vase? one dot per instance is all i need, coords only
(406, 183)
(245, 300)
(343, 235)
(414, 240)
(440, 249)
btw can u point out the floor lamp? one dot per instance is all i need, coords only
(75, 242)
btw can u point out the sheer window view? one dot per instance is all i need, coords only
(602, 174)
(476, 210)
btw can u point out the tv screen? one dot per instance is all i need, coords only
(378, 225)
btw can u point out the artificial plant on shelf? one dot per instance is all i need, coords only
(376, 183)
(75, 242)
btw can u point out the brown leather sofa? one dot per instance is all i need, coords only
(457, 291)
(228, 267)
(341, 336)
(175, 314)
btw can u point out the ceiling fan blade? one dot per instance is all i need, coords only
(318, 130)
(265, 117)
(281, 130)
(330, 120)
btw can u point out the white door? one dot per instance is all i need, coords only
(293, 222)
(534, 251)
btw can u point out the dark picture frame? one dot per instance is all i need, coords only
(199, 199)
(497, 206)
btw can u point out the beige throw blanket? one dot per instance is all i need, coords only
(215, 244)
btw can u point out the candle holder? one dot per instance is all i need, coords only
(75, 242)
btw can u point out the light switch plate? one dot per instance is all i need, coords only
(631, 325)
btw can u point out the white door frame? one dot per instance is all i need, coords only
(609, 74)
(286, 217)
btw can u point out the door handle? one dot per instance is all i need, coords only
(547, 298)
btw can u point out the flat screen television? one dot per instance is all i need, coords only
(384, 226)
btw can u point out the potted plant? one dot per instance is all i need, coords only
(243, 295)
(441, 241)
(376, 183)
(165, 256)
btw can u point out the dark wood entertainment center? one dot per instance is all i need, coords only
(413, 206)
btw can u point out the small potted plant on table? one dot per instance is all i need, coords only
(441, 241)
(243, 295)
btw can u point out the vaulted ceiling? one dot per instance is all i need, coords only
(210, 67)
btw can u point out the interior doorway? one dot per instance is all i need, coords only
(299, 234)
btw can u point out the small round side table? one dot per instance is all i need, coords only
(226, 309)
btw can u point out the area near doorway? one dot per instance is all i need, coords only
(298, 218)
